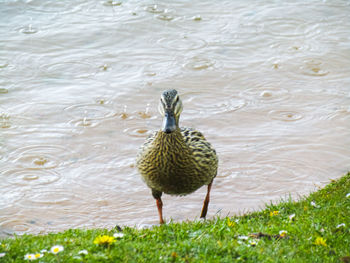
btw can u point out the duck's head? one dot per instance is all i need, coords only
(170, 107)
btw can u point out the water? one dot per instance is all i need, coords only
(268, 83)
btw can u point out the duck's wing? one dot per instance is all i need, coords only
(203, 152)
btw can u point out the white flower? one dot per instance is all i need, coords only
(341, 225)
(2, 255)
(243, 237)
(56, 249)
(43, 251)
(30, 257)
(291, 217)
(118, 235)
(347, 195)
(83, 252)
(38, 255)
(314, 204)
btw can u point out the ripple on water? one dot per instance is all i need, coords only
(90, 115)
(340, 113)
(11, 122)
(45, 199)
(317, 67)
(273, 177)
(182, 43)
(54, 7)
(155, 8)
(284, 27)
(207, 105)
(199, 63)
(112, 3)
(266, 94)
(138, 132)
(283, 115)
(15, 226)
(91, 111)
(30, 177)
(28, 29)
(69, 69)
(41, 156)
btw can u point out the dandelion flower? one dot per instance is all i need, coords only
(56, 249)
(118, 235)
(320, 241)
(230, 223)
(283, 233)
(83, 252)
(30, 257)
(104, 240)
(2, 255)
(274, 213)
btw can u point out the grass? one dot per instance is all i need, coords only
(314, 229)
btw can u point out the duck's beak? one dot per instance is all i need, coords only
(169, 123)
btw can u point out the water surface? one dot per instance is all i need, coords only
(267, 82)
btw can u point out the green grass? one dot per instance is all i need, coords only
(249, 238)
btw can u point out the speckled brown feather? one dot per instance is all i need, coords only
(177, 163)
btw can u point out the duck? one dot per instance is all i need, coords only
(176, 161)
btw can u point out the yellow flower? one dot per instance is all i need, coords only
(56, 249)
(320, 241)
(104, 240)
(283, 233)
(253, 243)
(274, 213)
(230, 223)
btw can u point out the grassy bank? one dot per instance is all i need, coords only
(315, 229)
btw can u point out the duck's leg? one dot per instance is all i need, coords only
(157, 195)
(206, 201)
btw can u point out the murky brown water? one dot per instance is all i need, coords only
(267, 82)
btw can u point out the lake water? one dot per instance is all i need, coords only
(267, 82)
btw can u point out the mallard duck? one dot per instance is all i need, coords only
(174, 160)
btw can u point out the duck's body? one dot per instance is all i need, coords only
(176, 161)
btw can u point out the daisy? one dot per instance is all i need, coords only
(30, 257)
(38, 255)
(291, 217)
(83, 252)
(243, 237)
(118, 235)
(341, 225)
(314, 204)
(56, 249)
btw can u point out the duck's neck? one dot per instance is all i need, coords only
(170, 142)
